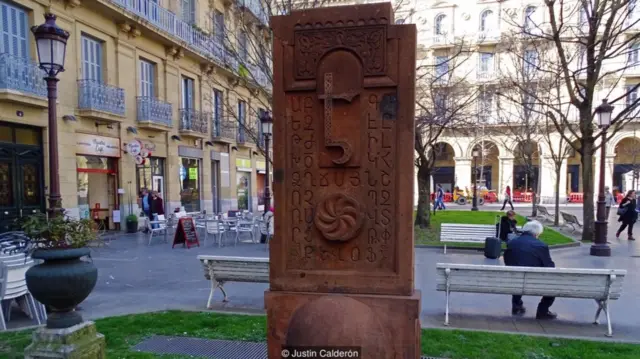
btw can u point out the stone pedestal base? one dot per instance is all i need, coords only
(77, 342)
(384, 327)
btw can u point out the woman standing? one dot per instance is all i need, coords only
(157, 205)
(507, 198)
(628, 214)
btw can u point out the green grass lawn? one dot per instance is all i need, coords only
(126, 331)
(430, 236)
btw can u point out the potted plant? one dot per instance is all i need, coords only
(63, 280)
(132, 223)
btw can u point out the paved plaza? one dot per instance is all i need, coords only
(135, 278)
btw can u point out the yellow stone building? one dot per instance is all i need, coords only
(152, 75)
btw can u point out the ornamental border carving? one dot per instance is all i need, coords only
(368, 43)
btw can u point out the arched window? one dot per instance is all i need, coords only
(486, 21)
(529, 15)
(441, 24)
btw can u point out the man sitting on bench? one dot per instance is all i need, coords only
(528, 251)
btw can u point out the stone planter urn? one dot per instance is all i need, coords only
(62, 282)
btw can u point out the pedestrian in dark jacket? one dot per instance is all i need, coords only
(508, 225)
(528, 251)
(629, 215)
(157, 205)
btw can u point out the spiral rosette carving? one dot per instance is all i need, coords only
(339, 217)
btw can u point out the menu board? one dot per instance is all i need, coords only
(186, 233)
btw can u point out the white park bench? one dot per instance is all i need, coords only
(465, 233)
(601, 285)
(219, 269)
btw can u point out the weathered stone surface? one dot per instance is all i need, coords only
(344, 81)
(341, 270)
(81, 341)
(384, 327)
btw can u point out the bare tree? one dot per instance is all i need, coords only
(557, 145)
(445, 101)
(590, 44)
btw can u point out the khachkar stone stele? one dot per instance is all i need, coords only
(341, 271)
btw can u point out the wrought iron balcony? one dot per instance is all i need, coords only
(259, 76)
(21, 75)
(488, 36)
(194, 122)
(154, 112)
(223, 130)
(152, 13)
(255, 7)
(487, 75)
(97, 96)
(241, 137)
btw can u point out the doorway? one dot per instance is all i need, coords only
(21, 174)
(97, 184)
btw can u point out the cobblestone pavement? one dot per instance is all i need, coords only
(135, 277)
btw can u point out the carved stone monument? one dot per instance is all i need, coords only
(342, 260)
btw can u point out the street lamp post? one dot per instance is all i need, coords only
(600, 247)
(51, 42)
(474, 206)
(266, 122)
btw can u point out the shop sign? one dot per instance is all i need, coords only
(243, 164)
(134, 147)
(97, 145)
(193, 173)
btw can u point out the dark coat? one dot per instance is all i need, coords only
(507, 226)
(157, 206)
(630, 216)
(527, 251)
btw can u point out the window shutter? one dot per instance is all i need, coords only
(13, 31)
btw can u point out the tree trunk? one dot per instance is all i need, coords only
(535, 192)
(587, 192)
(423, 213)
(556, 215)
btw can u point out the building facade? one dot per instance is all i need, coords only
(484, 27)
(157, 95)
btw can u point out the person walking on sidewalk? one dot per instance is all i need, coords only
(628, 214)
(507, 198)
(439, 204)
(609, 201)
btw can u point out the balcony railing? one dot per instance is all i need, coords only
(170, 23)
(255, 7)
(489, 36)
(206, 45)
(20, 74)
(223, 129)
(195, 121)
(259, 76)
(242, 134)
(153, 111)
(97, 96)
(485, 75)
(440, 40)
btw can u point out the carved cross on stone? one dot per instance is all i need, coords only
(328, 98)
